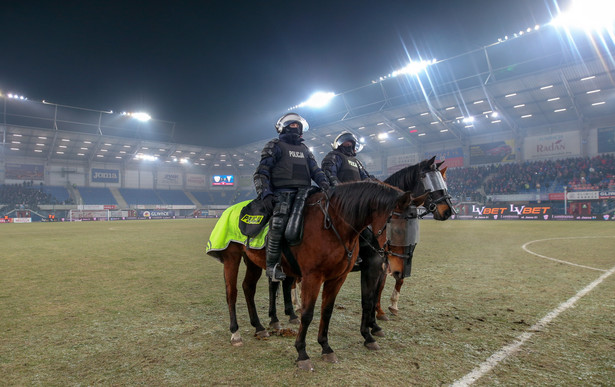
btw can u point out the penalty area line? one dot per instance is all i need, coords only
(512, 348)
(524, 247)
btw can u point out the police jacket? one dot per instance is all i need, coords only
(340, 167)
(287, 164)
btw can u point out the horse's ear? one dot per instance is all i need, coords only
(419, 200)
(438, 164)
(443, 172)
(406, 199)
(431, 160)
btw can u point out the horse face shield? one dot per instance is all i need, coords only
(435, 184)
(404, 232)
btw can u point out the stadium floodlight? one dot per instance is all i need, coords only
(143, 117)
(587, 15)
(317, 100)
(414, 68)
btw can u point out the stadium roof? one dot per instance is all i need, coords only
(541, 80)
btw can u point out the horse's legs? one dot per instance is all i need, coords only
(253, 273)
(289, 309)
(231, 270)
(395, 296)
(309, 294)
(296, 295)
(329, 292)
(274, 323)
(373, 275)
(380, 315)
(372, 272)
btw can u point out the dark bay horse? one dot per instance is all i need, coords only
(425, 176)
(324, 258)
(378, 253)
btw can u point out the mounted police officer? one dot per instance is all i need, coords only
(341, 164)
(286, 165)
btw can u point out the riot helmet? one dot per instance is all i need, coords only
(284, 122)
(344, 137)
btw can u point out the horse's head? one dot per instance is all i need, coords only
(402, 234)
(423, 177)
(433, 180)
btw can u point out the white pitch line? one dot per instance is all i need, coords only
(510, 349)
(524, 247)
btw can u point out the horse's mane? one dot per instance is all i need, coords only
(408, 178)
(357, 201)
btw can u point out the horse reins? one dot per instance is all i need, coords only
(328, 224)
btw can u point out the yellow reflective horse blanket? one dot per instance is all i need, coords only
(227, 230)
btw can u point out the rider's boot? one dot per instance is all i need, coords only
(274, 269)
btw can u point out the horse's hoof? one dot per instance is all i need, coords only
(237, 342)
(305, 365)
(373, 346)
(379, 333)
(383, 317)
(276, 326)
(294, 320)
(393, 311)
(262, 334)
(330, 357)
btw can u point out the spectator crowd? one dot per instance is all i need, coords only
(26, 195)
(576, 174)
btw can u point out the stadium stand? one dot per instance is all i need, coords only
(135, 196)
(96, 195)
(60, 194)
(174, 197)
(550, 176)
(29, 195)
(203, 197)
(222, 198)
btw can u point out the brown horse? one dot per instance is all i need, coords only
(324, 258)
(378, 252)
(425, 176)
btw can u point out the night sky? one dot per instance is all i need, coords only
(224, 71)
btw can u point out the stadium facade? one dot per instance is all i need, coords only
(542, 96)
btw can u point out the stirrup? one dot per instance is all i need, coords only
(275, 273)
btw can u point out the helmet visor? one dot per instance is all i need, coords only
(347, 136)
(289, 119)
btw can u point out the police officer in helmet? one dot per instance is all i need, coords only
(286, 165)
(341, 164)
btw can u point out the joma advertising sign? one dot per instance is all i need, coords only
(105, 175)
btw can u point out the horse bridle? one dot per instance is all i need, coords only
(433, 182)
